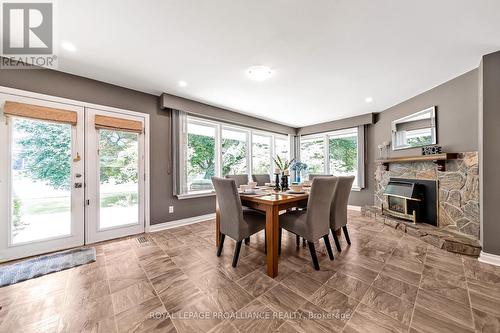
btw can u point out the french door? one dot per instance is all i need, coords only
(41, 179)
(69, 175)
(115, 187)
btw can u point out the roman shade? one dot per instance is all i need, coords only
(40, 112)
(119, 124)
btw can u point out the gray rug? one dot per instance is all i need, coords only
(55, 262)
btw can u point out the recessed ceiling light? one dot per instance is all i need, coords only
(259, 73)
(68, 46)
(368, 99)
(183, 84)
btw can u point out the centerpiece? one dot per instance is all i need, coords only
(282, 166)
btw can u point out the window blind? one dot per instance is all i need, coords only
(120, 124)
(40, 112)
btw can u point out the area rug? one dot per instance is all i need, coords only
(46, 264)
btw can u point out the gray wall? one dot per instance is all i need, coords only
(489, 114)
(457, 118)
(82, 89)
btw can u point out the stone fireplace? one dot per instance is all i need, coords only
(458, 189)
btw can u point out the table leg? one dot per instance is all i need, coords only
(217, 224)
(272, 231)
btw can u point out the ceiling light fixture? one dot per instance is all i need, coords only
(259, 73)
(183, 84)
(368, 99)
(68, 46)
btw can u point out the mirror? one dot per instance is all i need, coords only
(416, 130)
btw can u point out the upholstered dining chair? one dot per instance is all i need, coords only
(314, 175)
(235, 222)
(261, 180)
(338, 210)
(239, 179)
(313, 223)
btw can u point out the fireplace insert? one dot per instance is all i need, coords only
(412, 199)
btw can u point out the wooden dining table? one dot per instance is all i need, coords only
(271, 203)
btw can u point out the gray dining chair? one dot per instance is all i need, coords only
(235, 222)
(239, 179)
(313, 223)
(314, 175)
(338, 210)
(261, 180)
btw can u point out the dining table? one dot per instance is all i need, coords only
(270, 202)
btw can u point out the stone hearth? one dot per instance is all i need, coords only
(447, 238)
(458, 190)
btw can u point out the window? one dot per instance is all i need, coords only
(201, 158)
(312, 152)
(234, 152)
(339, 153)
(261, 154)
(208, 148)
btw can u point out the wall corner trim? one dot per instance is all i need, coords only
(489, 258)
(181, 222)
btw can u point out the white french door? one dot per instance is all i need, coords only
(41, 181)
(116, 176)
(66, 183)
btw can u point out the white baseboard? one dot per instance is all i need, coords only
(488, 258)
(356, 208)
(182, 222)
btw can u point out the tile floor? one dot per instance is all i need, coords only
(385, 282)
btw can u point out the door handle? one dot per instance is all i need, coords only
(78, 185)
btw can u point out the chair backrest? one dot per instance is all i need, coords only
(314, 175)
(230, 210)
(261, 179)
(338, 210)
(239, 179)
(318, 207)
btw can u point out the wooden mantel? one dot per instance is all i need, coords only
(439, 159)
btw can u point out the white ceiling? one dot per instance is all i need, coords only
(327, 55)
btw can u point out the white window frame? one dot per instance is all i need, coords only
(360, 177)
(218, 151)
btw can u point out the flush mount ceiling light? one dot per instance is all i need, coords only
(368, 99)
(68, 46)
(182, 83)
(259, 73)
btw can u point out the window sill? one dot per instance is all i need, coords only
(200, 194)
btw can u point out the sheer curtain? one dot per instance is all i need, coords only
(179, 152)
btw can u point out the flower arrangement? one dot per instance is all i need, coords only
(298, 167)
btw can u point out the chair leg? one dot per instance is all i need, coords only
(279, 240)
(247, 240)
(236, 253)
(336, 240)
(221, 244)
(346, 234)
(303, 242)
(313, 255)
(328, 246)
(297, 240)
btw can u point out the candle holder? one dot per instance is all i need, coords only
(277, 182)
(284, 182)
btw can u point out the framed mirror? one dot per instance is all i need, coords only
(415, 130)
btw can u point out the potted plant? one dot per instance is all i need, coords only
(298, 167)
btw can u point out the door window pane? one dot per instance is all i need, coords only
(234, 152)
(41, 180)
(200, 157)
(261, 154)
(343, 154)
(119, 185)
(312, 153)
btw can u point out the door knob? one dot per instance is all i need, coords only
(78, 185)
